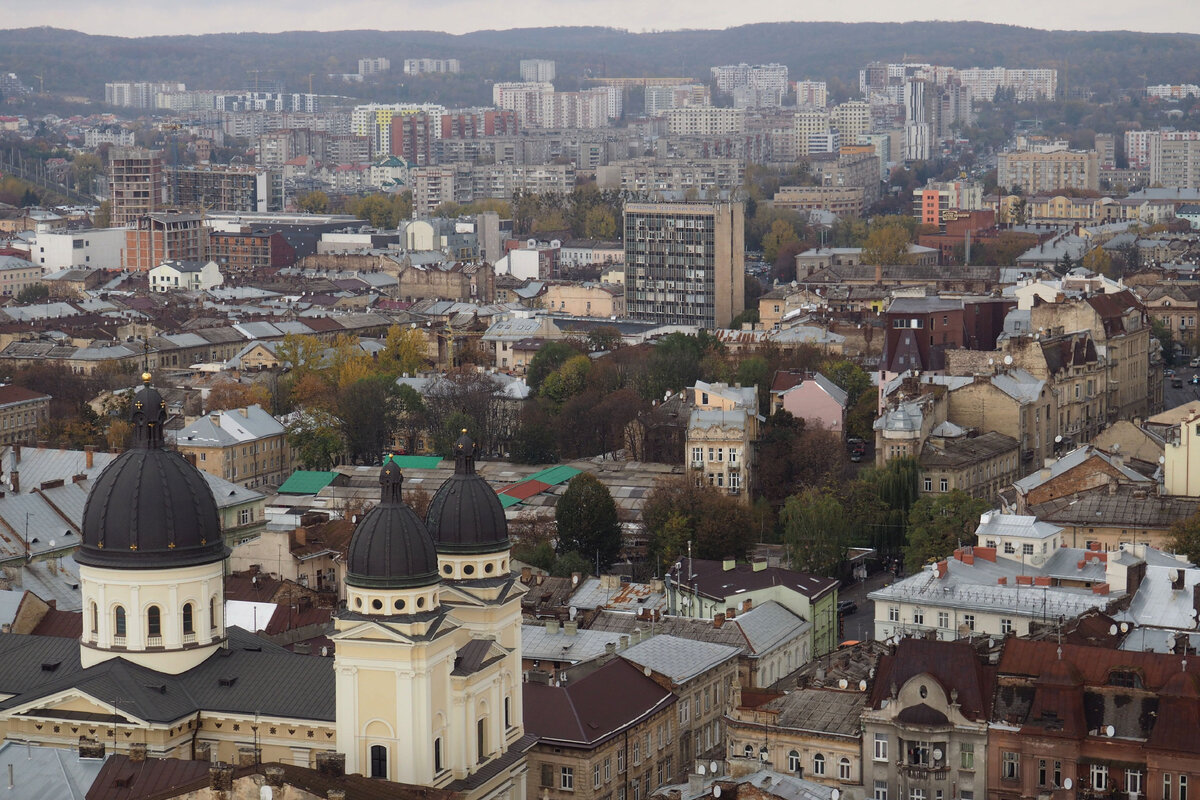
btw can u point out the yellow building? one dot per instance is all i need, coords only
(426, 684)
(721, 431)
(584, 299)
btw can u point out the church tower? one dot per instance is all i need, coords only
(395, 648)
(152, 560)
(474, 554)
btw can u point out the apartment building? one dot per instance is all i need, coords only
(22, 411)
(1174, 163)
(705, 121)
(537, 70)
(1042, 173)
(246, 446)
(722, 430)
(421, 66)
(684, 263)
(226, 188)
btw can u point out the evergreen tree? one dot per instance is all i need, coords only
(587, 521)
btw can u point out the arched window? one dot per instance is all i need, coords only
(437, 755)
(154, 621)
(793, 761)
(379, 761)
(843, 769)
(95, 617)
(189, 625)
(818, 764)
(119, 621)
(212, 613)
(748, 751)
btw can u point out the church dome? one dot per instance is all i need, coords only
(391, 548)
(465, 516)
(150, 508)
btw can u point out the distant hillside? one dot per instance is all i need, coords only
(77, 63)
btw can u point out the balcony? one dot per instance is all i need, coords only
(189, 638)
(154, 641)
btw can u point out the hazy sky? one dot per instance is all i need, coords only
(142, 17)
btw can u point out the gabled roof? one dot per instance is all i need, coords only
(594, 708)
(713, 580)
(952, 664)
(678, 659)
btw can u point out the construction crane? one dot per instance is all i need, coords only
(174, 128)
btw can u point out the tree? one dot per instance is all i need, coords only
(231, 394)
(815, 531)
(404, 351)
(103, 216)
(568, 564)
(781, 235)
(587, 520)
(300, 354)
(34, 293)
(384, 211)
(716, 523)
(566, 381)
(314, 202)
(84, 168)
(533, 441)
(937, 525)
(552, 356)
(604, 338)
(370, 416)
(1184, 538)
(886, 244)
(600, 223)
(1098, 260)
(315, 437)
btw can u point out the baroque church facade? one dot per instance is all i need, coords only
(425, 684)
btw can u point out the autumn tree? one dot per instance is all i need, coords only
(404, 351)
(314, 202)
(886, 244)
(369, 416)
(234, 394)
(781, 235)
(1184, 538)
(716, 523)
(316, 438)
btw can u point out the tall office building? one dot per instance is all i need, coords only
(685, 263)
(135, 181)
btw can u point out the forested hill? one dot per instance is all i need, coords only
(1105, 62)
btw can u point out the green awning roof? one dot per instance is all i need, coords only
(555, 475)
(507, 500)
(307, 481)
(416, 462)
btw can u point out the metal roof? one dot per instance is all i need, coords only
(304, 481)
(677, 658)
(44, 772)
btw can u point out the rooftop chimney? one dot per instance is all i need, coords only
(718, 620)
(331, 763)
(137, 752)
(220, 777)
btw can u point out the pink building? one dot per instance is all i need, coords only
(809, 396)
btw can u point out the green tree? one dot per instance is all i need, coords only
(84, 169)
(314, 202)
(677, 511)
(850, 377)
(35, 293)
(370, 416)
(381, 210)
(315, 437)
(566, 381)
(548, 359)
(1166, 339)
(568, 564)
(587, 520)
(299, 354)
(1184, 538)
(938, 525)
(103, 216)
(815, 531)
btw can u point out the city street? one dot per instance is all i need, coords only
(1172, 396)
(860, 625)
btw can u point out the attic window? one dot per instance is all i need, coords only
(228, 680)
(1126, 678)
(50, 666)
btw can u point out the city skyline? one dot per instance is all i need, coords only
(464, 16)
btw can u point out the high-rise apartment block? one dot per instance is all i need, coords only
(852, 119)
(537, 105)
(1026, 85)
(1137, 143)
(137, 94)
(374, 120)
(758, 86)
(685, 263)
(412, 138)
(660, 99)
(537, 70)
(1175, 163)
(373, 66)
(226, 188)
(135, 181)
(418, 66)
(811, 94)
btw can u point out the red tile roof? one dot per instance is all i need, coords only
(19, 394)
(954, 665)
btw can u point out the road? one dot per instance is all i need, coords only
(1173, 397)
(860, 625)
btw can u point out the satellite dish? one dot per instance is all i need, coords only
(1007, 361)
(572, 612)
(1125, 626)
(1162, 459)
(712, 767)
(842, 684)
(266, 793)
(991, 361)
(1058, 439)
(937, 754)
(1109, 731)
(1173, 575)
(862, 686)
(1112, 630)
(647, 671)
(700, 769)
(835, 794)
(1068, 783)
(716, 791)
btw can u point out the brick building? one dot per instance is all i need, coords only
(249, 249)
(156, 238)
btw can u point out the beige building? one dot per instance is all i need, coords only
(1041, 173)
(722, 429)
(584, 299)
(22, 411)
(979, 465)
(243, 445)
(1012, 403)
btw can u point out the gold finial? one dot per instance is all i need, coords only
(146, 378)
(464, 430)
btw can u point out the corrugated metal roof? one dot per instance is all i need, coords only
(525, 489)
(555, 475)
(304, 481)
(417, 462)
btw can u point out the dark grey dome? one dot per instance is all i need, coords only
(391, 548)
(150, 508)
(465, 516)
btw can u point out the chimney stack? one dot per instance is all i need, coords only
(89, 456)
(331, 763)
(220, 777)
(137, 752)
(718, 620)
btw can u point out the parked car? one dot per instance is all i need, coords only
(1177, 383)
(1195, 362)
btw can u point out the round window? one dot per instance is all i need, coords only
(399, 605)
(377, 604)
(488, 567)
(469, 569)
(420, 602)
